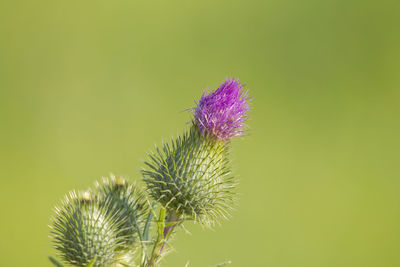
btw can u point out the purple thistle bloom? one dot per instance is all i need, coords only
(222, 112)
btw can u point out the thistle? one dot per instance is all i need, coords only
(191, 175)
(83, 233)
(127, 201)
(222, 113)
(189, 178)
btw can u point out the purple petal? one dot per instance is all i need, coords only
(222, 112)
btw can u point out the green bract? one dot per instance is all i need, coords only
(82, 231)
(126, 201)
(190, 177)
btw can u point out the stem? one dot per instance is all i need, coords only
(164, 234)
(161, 226)
(172, 217)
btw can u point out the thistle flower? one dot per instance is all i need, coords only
(190, 177)
(82, 231)
(126, 201)
(222, 112)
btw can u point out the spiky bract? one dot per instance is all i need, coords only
(127, 201)
(222, 112)
(82, 231)
(190, 177)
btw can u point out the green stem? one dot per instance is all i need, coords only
(160, 238)
(171, 224)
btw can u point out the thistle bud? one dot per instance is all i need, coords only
(126, 201)
(190, 177)
(222, 112)
(82, 231)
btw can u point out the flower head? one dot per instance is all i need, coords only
(126, 201)
(222, 112)
(191, 178)
(82, 231)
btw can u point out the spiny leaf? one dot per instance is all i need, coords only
(148, 222)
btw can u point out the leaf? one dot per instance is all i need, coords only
(148, 222)
(55, 262)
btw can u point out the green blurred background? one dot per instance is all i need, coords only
(87, 87)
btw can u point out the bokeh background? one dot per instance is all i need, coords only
(87, 87)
